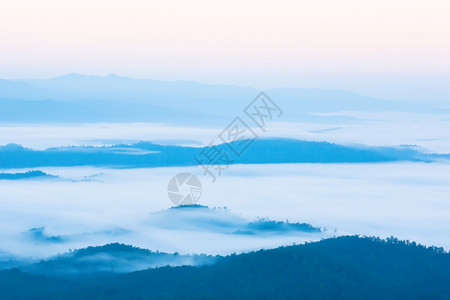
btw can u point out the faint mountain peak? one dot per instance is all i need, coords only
(26, 175)
(112, 258)
(12, 147)
(222, 220)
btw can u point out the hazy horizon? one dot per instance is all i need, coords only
(392, 50)
(400, 95)
(309, 141)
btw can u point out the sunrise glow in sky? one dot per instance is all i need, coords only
(391, 49)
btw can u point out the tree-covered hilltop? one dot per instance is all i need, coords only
(261, 151)
(347, 267)
(26, 175)
(111, 258)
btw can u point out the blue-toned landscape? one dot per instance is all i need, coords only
(84, 187)
(224, 150)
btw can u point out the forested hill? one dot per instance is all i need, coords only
(257, 151)
(340, 268)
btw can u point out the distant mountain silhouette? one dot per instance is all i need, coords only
(221, 220)
(26, 175)
(347, 267)
(112, 258)
(38, 235)
(261, 151)
(80, 98)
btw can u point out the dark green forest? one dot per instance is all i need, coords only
(348, 267)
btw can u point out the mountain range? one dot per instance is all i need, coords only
(259, 151)
(348, 267)
(80, 98)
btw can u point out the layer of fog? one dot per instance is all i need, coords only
(406, 200)
(428, 131)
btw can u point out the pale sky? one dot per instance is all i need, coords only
(387, 48)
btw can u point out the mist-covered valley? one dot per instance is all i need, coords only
(87, 178)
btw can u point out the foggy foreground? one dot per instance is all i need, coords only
(88, 206)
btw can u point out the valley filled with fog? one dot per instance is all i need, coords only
(91, 166)
(224, 149)
(88, 206)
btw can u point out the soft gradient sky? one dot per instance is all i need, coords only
(386, 48)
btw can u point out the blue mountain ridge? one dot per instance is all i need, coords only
(26, 175)
(259, 151)
(347, 267)
(78, 98)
